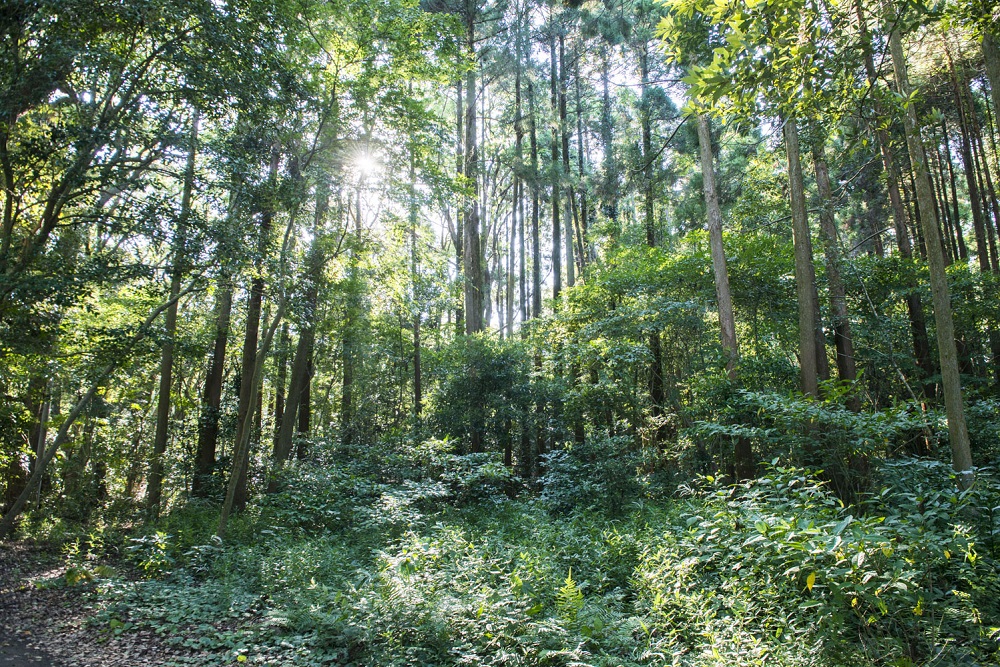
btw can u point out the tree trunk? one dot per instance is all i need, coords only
(724, 299)
(564, 135)
(536, 247)
(610, 177)
(991, 56)
(154, 488)
(459, 217)
(656, 388)
(211, 403)
(473, 252)
(975, 200)
(951, 380)
(284, 343)
(963, 250)
(248, 387)
(846, 368)
(805, 275)
(914, 305)
(556, 168)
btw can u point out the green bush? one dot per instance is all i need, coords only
(780, 568)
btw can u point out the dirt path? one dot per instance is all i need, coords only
(16, 651)
(46, 625)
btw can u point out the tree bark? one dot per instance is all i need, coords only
(724, 299)
(248, 386)
(536, 247)
(951, 380)
(473, 252)
(963, 249)
(805, 275)
(556, 168)
(154, 488)
(846, 368)
(211, 402)
(991, 56)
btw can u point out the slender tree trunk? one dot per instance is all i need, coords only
(586, 248)
(986, 190)
(914, 305)
(536, 247)
(473, 252)
(951, 380)
(975, 201)
(657, 393)
(459, 218)
(727, 322)
(944, 209)
(556, 168)
(564, 135)
(963, 250)
(744, 457)
(846, 367)
(805, 276)
(211, 403)
(284, 343)
(298, 385)
(991, 56)
(519, 179)
(241, 448)
(610, 177)
(248, 385)
(154, 488)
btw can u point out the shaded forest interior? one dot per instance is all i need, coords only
(508, 332)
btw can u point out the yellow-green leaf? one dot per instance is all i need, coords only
(811, 581)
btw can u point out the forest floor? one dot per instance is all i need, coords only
(44, 622)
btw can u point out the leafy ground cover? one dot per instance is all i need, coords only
(352, 566)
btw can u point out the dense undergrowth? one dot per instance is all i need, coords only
(436, 561)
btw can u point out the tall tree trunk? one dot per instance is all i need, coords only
(727, 322)
(211, 402)
(418, 398)
(298, 385)
(473, 252)
(991, 56)
(248, 386)
(805, 275)
(536, 247)
(586, 248)
(564, 135)
(944, 209)
(519, 178)
(555, 166)
(656, 388)
(986, 189)
(284, 343)
(963, 250)
(610, 177)
(459, 218)
(744, 458)
(975, 200)
(154, 488)
(914, 305)
(951, 380)
(846, 367)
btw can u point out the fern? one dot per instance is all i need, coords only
(569, 599)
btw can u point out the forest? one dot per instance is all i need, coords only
(606, 333)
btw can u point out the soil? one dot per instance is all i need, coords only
(44, 623)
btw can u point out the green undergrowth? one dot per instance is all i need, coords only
(344, 569)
